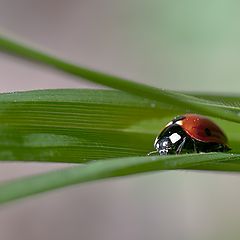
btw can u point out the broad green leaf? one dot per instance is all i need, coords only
(183, 101)
(27, 186)
(78, 125)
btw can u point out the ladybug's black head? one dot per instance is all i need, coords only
(163, 145)
(170, 139)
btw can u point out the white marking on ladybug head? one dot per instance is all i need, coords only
(155, 142)
(165, 144)
(180, 123)
(175, 137)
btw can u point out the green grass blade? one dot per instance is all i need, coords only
(183, 101)
(78, 125)
(105, 169)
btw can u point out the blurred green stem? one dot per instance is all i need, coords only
(177, 99)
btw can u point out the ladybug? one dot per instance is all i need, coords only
(191, 133)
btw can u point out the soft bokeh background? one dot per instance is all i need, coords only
(178, 44)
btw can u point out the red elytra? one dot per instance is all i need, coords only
(203, 129)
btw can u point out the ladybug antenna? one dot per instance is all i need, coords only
(151, 153)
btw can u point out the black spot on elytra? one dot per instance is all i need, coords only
(208, 132)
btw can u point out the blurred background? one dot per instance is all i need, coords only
(185, 45)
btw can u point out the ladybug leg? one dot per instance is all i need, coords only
(195, 146)
(179, 149)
